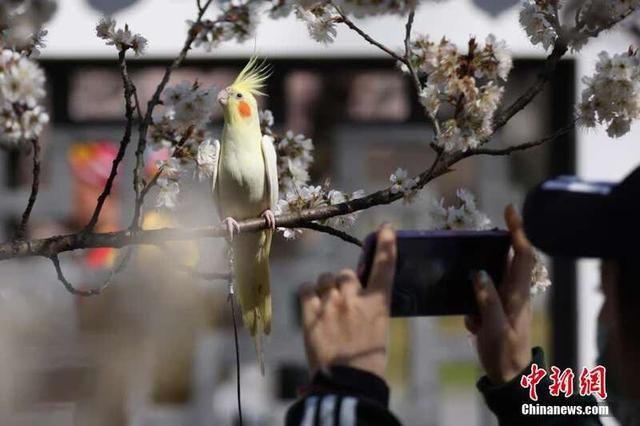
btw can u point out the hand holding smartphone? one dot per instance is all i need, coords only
(434, 269)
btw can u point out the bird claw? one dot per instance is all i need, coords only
(232, 225)
(270, 218)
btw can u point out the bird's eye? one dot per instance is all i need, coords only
(239, 95)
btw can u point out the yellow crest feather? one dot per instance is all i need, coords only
(252, 77)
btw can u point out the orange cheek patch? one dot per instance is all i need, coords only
(244, 109)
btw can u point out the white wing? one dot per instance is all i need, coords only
(271, 168)
(215, 162)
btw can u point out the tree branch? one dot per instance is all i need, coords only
(135, 223)
(523, 146)
(153, 102)
(129, 90)
(92, 292)
(137, 102)
(348, 22)
(412, 71)
(559, 49)
(595, 32)
(149, 185)
(52, 246)
(70, 288)
(332, 231)
(35, 185)
(407, 51)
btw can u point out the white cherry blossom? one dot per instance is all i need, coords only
(612, 95)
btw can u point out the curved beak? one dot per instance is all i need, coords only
(223, 97)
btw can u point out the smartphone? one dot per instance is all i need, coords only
(434, 269)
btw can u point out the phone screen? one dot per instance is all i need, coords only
(434, 269)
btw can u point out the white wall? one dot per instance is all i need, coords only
(72, 33)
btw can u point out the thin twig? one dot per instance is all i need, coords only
(332, 231)
(407, 51)
(559, 49)
(412, 71)
(595, 32)
(129, 90)
(137, 103)
(348, 22)
(98, 290)
(35, 185)
(70, 288)
(406, 59)
(137, 212)
(150, 184)
(523, 146)
(153, 102)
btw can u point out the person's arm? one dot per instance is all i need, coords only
(345, 331)
(345, 395)
(502, 331)
(506, 400)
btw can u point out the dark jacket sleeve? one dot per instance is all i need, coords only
(507, 400)
(343, 396)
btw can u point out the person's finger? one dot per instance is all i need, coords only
(326, 281)
(516, 228)
(517, 285)
(472, 323)
(348, 283)
(310, 304)
(488, 300)
(331, 300)
(384, 261)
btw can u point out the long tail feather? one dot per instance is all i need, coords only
(253, 288)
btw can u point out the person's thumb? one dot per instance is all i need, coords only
(384, 262)
(488, 300)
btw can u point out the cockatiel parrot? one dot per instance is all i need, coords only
(245, 185)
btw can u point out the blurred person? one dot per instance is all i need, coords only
(570, 218)
(605, 228)
(90, 164)
(81, 343)
(148, 351)
(102, 350)
(345, 334)
(102, 323)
